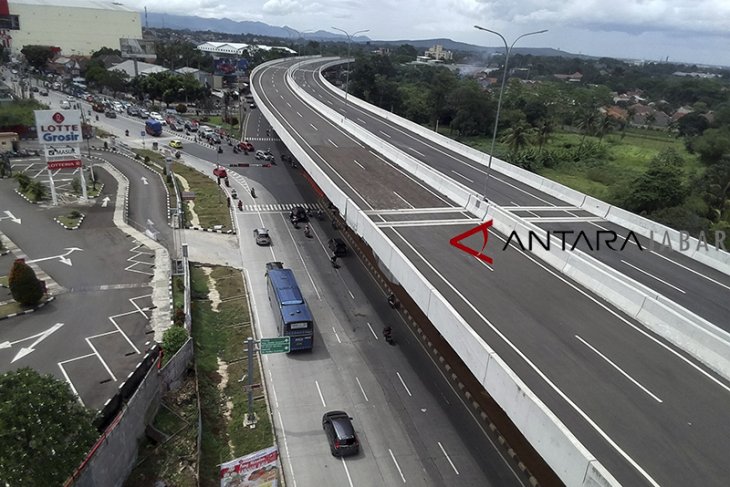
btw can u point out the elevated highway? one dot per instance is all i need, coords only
(588, 385)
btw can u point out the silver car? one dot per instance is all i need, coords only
(261, 235)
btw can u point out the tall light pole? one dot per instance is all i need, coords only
(349, 41)
(507, 51)
(301, 44)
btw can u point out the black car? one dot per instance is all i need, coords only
(338, 427)
(337, 246)
(110, 114)
(298, 214)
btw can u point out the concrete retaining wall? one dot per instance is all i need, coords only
(554, 441)
(716, 259)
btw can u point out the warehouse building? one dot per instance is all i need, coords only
(78, 27)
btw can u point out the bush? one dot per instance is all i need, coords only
(76, 185)
(75, 214)
(36, 190)
(25, 287)
(23, 181)
(181, 108)
(173, 338)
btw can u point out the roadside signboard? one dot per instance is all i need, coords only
(65, 164)
(60, 152)
(58, 126)
(275, 345)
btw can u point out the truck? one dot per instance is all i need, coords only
(153, 127)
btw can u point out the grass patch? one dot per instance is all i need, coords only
(219, 338)
(178, 289)
(233, 130)
(13, 307)
(152, 155)
(71, 219)
(210, 202)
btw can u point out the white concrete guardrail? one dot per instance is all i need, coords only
(571, 461)
(688, 331)
(689, 246)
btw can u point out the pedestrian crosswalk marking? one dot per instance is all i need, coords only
(279, 207)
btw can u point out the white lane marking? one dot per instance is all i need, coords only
(349, 479)
(690, 269)
(404, 384)
(362, 390)
(286, 447)
(461, 175)
(320, 393)
(408, 175)
(361, 121)
(539, 372)
(418, 152)
(652, 276)
(396, 465)
(386, 134)
(372, 331)
(289, 104)
(330, 141)
(355, 161)
(447, 457)
(329, 102)
(301, 257)
(70, 384)
(312, 125)
(300, 115)
(336, 335)
(404, 200)
(619, 369)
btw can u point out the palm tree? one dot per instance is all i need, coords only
(605, 125)
(518, 137)
(544, 131)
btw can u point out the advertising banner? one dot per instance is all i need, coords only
(58, 126)
(65, 164)
(258, 469)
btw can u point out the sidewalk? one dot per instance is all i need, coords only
(213, 248)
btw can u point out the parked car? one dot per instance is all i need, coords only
(110, 114)
(298, 214)
(261, 235)
(176, 144)
(132, 111)
(337, 246)
(246, 145)
(340, 433)
(143, 114)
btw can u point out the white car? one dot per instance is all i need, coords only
(158, 117)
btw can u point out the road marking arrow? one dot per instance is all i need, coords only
(28, 350)
(105, 201)
(12, 217)
(144, 180)
(62, 258)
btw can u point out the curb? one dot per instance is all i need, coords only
(81, 220)
(25, 197)
(211, 230)
(28, 311)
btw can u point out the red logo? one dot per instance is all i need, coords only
(484, 228)
(58, 118)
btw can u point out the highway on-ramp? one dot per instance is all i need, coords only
(649, 413)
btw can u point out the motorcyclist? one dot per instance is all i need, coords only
(307, 231)
(126, 132)
(253, 193)
(240, 205)
(392, 301)
(388, 334)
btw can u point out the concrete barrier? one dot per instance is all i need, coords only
(642, 226)
(556, 443)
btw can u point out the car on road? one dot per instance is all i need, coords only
(220, 172)
(265, 156)
(34, 89)
(65, 105)
(191, 126)
(261, 235)
(252, 105)
(143, 114)
(298, 214)
(110, 114)
(340, 433)
(337, 246)
(176, 144)
(43, 92)
(246, 145)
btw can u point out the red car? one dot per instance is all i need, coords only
(246, 145)
(220, 172)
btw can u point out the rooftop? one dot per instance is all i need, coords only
(92, 4)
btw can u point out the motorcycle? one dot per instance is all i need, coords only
(388, 335)
(392, 301)
(126, 133)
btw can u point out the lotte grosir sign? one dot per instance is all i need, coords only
(58, 126)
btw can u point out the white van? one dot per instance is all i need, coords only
(65, 105)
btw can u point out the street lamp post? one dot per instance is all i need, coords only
(508, 50)
(349, 41)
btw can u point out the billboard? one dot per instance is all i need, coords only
(138, 49)
(258, 469)
(230, 67)
(58, 126)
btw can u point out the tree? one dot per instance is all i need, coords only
(25, 287)
(106, 51)
(38, 56)
(659, 187)
(45, 431)
(173, 338)
(518, 137)
(692, 125)
(712, 145)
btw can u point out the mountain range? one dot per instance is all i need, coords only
(228, 26)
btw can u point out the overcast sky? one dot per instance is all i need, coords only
(695, 31)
